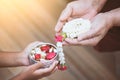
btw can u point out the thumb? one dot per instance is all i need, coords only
(63, 18)
(67, 12)
(36, 66)
(91, 33)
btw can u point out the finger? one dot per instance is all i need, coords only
(70, 18)
(47, 70)
(36, 66)
(71, 41)
(51, 68)
(91, 33)
(65, 43)
(59, 26)
(63, 18)
(91, 42)
(56, 68)
(66, 13)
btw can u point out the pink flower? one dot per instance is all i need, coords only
(50, 55)
(37, 56)
(59, 38)
(45, 48)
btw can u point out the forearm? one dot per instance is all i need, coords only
(17, 77)
(114, 17)
(98, 4)
(10, 59)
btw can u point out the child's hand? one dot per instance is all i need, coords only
(23, 56)
(35, 72)
(14, 59)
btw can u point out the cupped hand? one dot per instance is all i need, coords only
(101, 23)
(36, 71)
(23, 55)
(76, 9)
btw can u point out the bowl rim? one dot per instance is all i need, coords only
(44, 59)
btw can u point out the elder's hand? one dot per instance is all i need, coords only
(101, 23)
(80, 8)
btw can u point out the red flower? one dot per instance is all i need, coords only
(62, 67)
(37, 56)
(50, 55)
(45, 48)
(59, 38)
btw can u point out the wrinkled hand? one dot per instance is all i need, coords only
(76, 9)
(101, 23)
(35, 72)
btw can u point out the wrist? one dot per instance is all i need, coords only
(22, 59)
(17, 77)
(114, 17)
(98, 4)
(95, 5)
(109, 19)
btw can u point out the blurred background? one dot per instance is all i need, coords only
(25, 21)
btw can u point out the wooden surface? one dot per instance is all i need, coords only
(24, 21)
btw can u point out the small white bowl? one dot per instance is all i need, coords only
(46, 63)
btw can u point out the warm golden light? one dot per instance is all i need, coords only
(23, 17)
(24, 21)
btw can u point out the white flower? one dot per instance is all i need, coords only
(55, 50)
(62, 62)
(43, 54)
(32, 52)
(76, 27)
(60, 52)
(59, 44)
(62, 59)
(37, 50)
